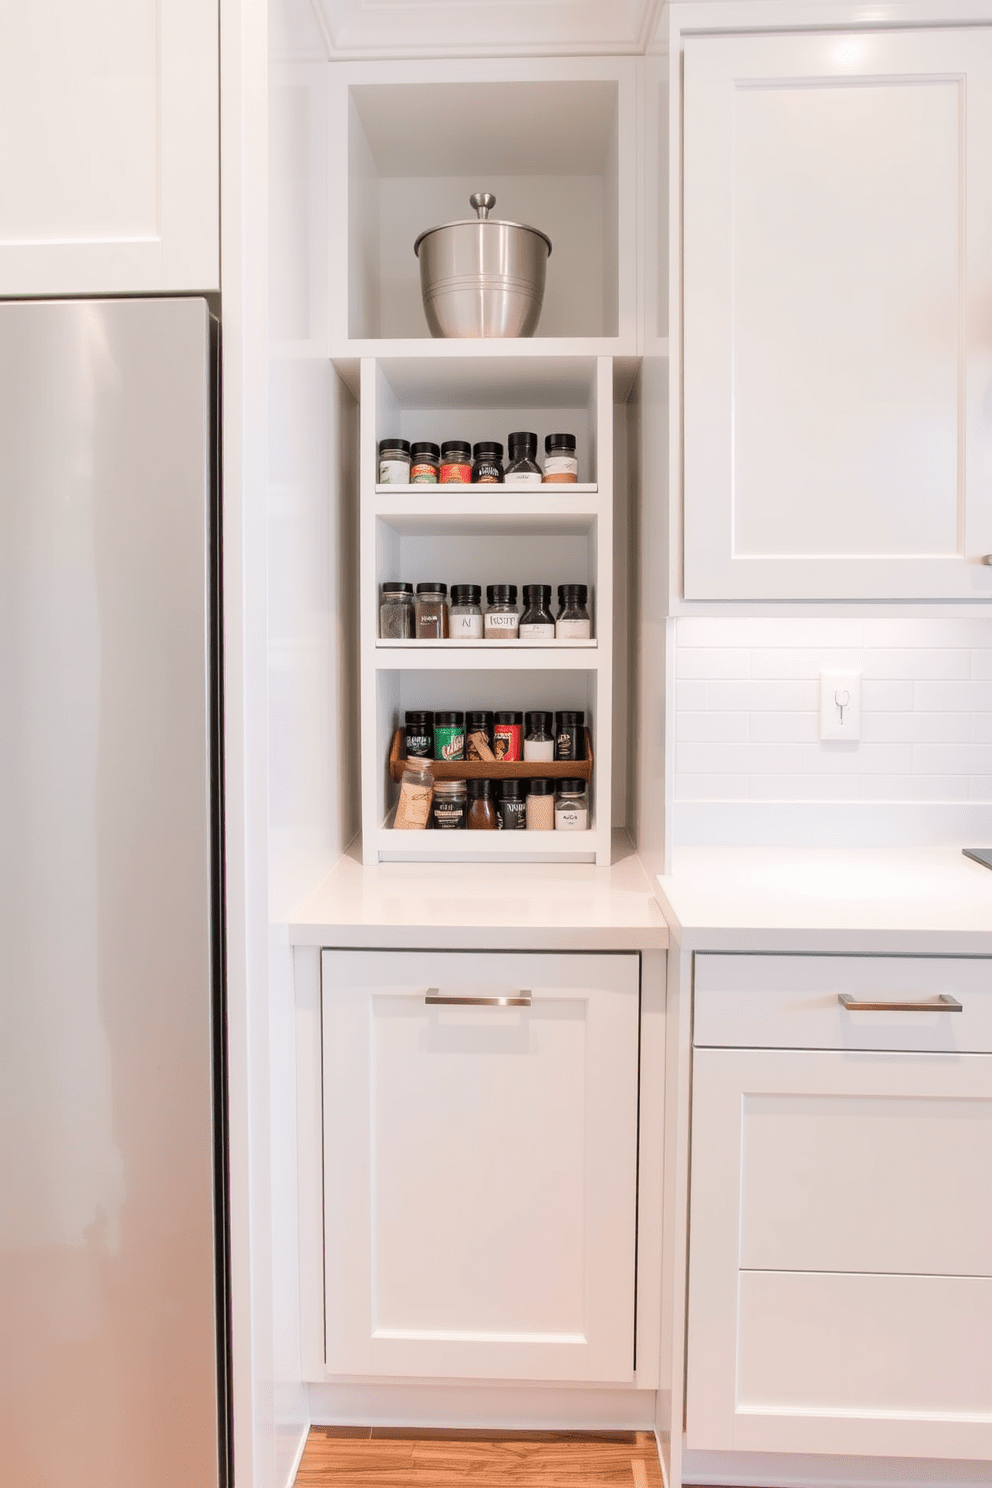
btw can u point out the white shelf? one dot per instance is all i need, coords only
(465, 846)
(484, 493)
(507, 656)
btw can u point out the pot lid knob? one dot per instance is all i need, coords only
(483, 202)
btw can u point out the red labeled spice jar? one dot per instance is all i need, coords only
(456, 463)
(508, 732)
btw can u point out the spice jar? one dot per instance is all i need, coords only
(449, 807)
(465, 616)
(394, 462)
(487, 463)
(414, 807)
(396, 617)
(512, 813)
(424, 463)
(573, 622)
(481, 810)
(507, 736)
(561, 464)
(456, 462)
(571, 807)
(570, 741)
(523, 467)
(502, 615)
(541, 806)
(449, 736)
(479, 736)
(432, 611)
(537, 622)
(539, 741)
(419, 736)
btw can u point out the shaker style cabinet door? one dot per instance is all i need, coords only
(840, 1254)
(108, 147)
(480, 1165)
(837, 275)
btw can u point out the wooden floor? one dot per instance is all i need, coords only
(393, 1457)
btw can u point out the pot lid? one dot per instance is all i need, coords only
(483, 202)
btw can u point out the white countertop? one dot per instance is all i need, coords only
(485, 906)
(818, 899)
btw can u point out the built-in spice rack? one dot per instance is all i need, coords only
(493, 769)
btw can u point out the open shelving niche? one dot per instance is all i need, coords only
(463, 534)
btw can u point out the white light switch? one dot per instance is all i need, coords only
(840, 705)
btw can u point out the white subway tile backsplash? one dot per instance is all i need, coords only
(747, 706)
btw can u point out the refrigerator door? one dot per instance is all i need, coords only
(109, 1342)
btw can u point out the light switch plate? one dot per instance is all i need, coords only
(840, 705)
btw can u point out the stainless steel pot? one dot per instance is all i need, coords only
(482, 277)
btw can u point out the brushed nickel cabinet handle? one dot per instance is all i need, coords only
(943, 1004)
(434, 999)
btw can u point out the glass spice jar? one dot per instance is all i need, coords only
(570, 743)
(449, 806)
(502, 615)
(419, 733)
(512, 811)
(481, 809)
(424, 463)
(573, 623)
(539, 741)
(479, 735)
(571, 807)
(523, 467)
(432, 611)
(487, 463)
(508, 736)
(561, 465)
(537, 622)
(394, 462)
(465, 615)
(449, 736)
(416, 793)
(396, 615)
(541, 806)
(456, 462)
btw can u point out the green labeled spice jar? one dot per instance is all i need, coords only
(449, 736)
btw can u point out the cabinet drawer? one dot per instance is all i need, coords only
(793, 1002)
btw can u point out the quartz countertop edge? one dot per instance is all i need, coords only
(863, 901)
(484, 906)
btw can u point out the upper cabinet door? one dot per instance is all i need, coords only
(838, 315)
(108, 147)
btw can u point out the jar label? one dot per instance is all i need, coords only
(506, 741)
(538, 632)
(573, 630)
(423, 475)
(487, 475)
(565, 749)
(466, 627)
(539, 749)
(394, 473)
(477, 746)
(559, 468)
(449, 742)
(502, 622)
(419, 746)
(523, 478)
(456, 475)
(512, 816)
(448, 815)
(571, 818)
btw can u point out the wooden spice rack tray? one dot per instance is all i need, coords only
(493, 770)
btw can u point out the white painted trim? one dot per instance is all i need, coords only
(850, 824)
(484, 1406)
(290, 1478)
(784, 1469)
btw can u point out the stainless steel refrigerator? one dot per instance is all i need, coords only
(113, 1315)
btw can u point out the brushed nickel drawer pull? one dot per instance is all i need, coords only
(943, 1004)
(434, 999)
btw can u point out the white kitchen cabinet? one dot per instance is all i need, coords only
(837, 272)
(480, 1165)
(109, 147)
(840, 1244)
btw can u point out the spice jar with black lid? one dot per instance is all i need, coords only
(537, 622)
(523, 467)
(539, 741)
(570, 741)
(479, 735)
(394, 462)
(481, 807)
(572, 623)
(419, 735)
(512, 812)
(508, 736)
(396, 615)
(502, 619)
(424, 463)
(432, 611)
(487, 463)
(571, 807)
(561, 465)
(449, 807)
(456, 463)
(449, 736)
(465, 615)
(541, 806)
